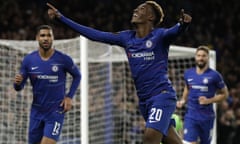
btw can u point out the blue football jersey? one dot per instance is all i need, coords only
(148, 60)
(48, 77)
(148, 56)
(205, 84)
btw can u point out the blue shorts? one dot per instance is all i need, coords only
(157, 111)
(48, 124)
(194, 129)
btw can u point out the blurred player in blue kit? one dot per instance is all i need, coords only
(147, 48)
(47, 69)
(203, 87)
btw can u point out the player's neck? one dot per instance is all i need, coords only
(45, 55)
(201, 70)
(143, 30)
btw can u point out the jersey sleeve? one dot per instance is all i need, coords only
(93, 34)
(73, 70)
(185, 77)
(219, 81)
(170, 34)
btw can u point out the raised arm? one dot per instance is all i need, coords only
(183, 22)
(90, 33)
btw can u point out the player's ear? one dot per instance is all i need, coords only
(151, 18)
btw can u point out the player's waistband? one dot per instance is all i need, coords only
(164, 91)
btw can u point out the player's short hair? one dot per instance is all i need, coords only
(203, 48)
(43, 27)
(158, 11)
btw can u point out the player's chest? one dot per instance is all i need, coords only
(200, 83)
(146, 44)
(45, 67)
(143, 51)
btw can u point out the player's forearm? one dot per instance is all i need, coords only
(217, 98)
(172, 33)
(184, 95)
(183, 26)
(220, 96)
(183, 100)
(74, 85)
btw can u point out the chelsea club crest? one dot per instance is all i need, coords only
(54, 68)
(205, 80)
(148, 43)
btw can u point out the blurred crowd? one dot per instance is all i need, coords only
(215, 23)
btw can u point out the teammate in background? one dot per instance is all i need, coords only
(147, 48)
(203, 87)
(47, 68)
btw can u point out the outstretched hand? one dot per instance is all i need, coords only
(184, 18)
(53, 12)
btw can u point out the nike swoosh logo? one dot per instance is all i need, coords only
(189, 80)
(33, 68)
(153, 121)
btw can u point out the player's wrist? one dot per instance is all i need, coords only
(58, 14)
